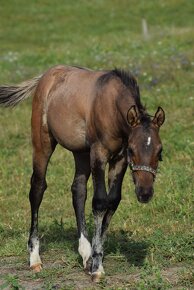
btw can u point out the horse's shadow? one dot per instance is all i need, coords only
(118, 242)
(121, 241)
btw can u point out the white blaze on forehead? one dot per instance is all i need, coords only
(148, 141)
(84, 249)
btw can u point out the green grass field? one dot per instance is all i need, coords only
(149, 246)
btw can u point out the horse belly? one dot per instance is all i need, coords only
(68, 128)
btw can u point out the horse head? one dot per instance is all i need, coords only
(144, 150)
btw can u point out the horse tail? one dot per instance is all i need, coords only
(12, 95)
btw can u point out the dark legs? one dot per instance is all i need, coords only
(79, 192)
(38, 186)
(99, 157)
(104, 205)
(117, 169)
(41, 156)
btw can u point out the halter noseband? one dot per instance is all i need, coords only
(141, 167)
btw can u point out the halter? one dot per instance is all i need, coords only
(141, 167)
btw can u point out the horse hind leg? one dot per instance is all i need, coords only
(43, 147)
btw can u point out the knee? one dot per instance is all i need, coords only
(113, 201)
(78, 186)
(99, 204)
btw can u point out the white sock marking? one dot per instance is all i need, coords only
(84, 249)
(34, 254)
(148, 141)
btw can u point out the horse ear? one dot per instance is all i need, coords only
(159, 117)
(132, 116)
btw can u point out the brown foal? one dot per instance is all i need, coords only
(99, 117)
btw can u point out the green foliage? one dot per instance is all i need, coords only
(11, 283)
(151, 278)
(143, 239)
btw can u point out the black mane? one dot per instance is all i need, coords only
(130, 82)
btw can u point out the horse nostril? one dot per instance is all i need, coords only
(144, 195)
(144, 198)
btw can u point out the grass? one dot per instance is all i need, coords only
(144, 241)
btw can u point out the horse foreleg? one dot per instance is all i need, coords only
(117, 169)
(97, 270)
(99, 157)
(79, 194)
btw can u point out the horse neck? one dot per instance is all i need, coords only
(124, 102)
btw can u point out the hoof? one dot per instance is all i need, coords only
(36, 268)
(87, 271)
(97, 277)
(88, 267)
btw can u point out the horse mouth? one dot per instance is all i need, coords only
(144, 199)
(144, 195)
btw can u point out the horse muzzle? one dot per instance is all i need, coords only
(144, 195)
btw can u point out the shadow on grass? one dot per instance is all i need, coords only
(118, 243)
(56, 234)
